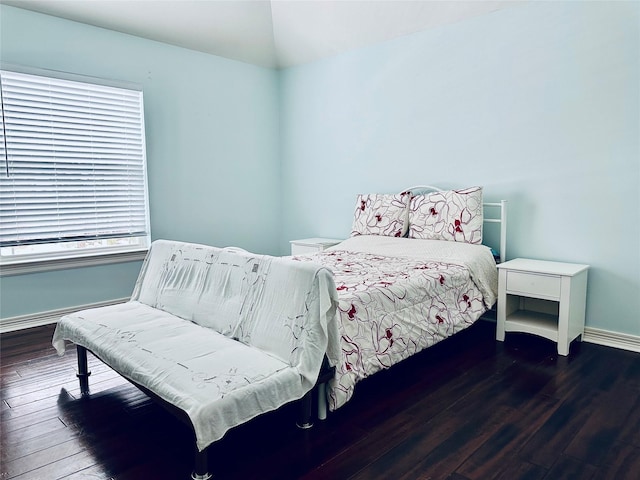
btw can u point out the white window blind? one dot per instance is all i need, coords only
(73, 162)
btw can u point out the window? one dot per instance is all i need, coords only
(73, 169)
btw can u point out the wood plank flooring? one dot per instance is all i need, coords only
(468, 408)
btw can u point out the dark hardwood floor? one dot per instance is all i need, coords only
(468, 408)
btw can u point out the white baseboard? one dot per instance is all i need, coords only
(608, 338)
(20, 322)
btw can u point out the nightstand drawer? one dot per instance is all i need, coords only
(545, 286)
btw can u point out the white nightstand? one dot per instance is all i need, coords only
(542, 298)
(312, 245)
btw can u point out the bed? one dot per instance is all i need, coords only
(413, 273)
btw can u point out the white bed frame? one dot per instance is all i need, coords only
(494, 212)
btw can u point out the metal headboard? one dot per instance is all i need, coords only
(497, 211)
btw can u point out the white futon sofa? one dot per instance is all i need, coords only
(222, 334)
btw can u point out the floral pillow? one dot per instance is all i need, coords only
(453, 215)
(380, 214)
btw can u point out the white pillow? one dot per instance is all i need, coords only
(453, 215)
(380, 214)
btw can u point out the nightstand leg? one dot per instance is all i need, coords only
(500, 331)
(563, 349)
(502, 306)
(563, 318)
(563, 342)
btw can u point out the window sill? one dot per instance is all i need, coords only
(90, 260)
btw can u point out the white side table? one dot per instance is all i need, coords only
(312, 245)
(543, 298)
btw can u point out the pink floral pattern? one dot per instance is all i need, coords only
(454, 215)
(392, 307)
(380, 214)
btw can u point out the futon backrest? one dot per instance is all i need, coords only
(281, 306)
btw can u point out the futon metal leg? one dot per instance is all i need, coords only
(83, 370)
(305, 411)
(322, 401)
(201, 466)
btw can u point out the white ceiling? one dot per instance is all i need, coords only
(270, 33)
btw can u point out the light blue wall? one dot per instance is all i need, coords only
(538, 103)
(212, 147)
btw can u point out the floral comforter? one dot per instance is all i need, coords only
(398, 296)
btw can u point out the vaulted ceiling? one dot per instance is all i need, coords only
(275, 33)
